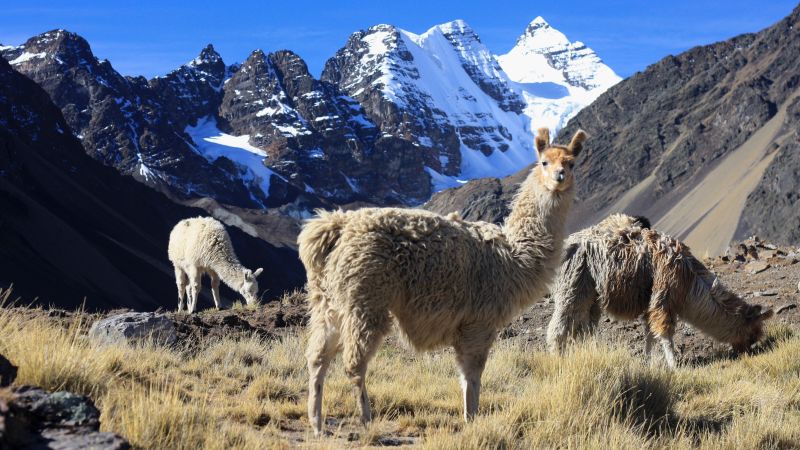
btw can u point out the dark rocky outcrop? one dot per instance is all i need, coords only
(486, 199)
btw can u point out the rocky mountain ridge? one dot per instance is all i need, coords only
(394, 117)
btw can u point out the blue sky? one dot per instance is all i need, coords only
(151, 38)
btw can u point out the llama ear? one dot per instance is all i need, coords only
(258, 272)
(542, 139)
(576, 144)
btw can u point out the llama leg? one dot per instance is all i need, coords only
(194, 288)
(669, 351)
(215, 288)
(576, 310)
(471, 354)
(323, 344)
(182, 281)
(576, 313)
(661, 320)
(362, 333)
(648, 338)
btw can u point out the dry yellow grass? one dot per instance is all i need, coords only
(250, 393)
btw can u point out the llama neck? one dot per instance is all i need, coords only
(722, 322)
(535, 226)
(231, 272)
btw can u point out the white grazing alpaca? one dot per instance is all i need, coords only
(445, 281)
(200, 246)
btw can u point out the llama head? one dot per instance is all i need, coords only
(250, 286)
(752, 326)
(556, 162)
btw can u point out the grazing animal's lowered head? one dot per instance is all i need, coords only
(752, 328)
(556, 162)
(249, 288)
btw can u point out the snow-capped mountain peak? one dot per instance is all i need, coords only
(208, 56)
(557, 77)
(544, 54)
(540, 35)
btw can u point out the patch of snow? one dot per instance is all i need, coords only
(291, 130)
(145, 171)
(361, 120)
(280, 108)
(441, 182)
(214, 144)
(26, 56)
(350, 182)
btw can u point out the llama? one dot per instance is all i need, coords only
(443, 280)
(200, 246)
(629, 270)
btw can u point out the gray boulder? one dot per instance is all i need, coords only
(134, 327)
(32, 418)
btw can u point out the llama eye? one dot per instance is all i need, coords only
(544, 163)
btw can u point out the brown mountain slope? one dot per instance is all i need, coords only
(705, 143)
(72, 229)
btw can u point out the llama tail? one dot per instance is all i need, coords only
(318, 238)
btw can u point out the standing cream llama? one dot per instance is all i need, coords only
(202, 246)
(446, 282)
(630, 271)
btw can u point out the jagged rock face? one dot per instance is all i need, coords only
(315, 136)
(480, 65)
(193, 90)
(121, 121)
(365, 68)
(76, 232)
(440, 92)
(772, 207)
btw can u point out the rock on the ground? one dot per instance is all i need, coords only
(134, 327)
(32, 418)
(8, 372)
(756, 267)
(770, 293)
(785, 307)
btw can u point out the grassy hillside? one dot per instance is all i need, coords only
(247, 392)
